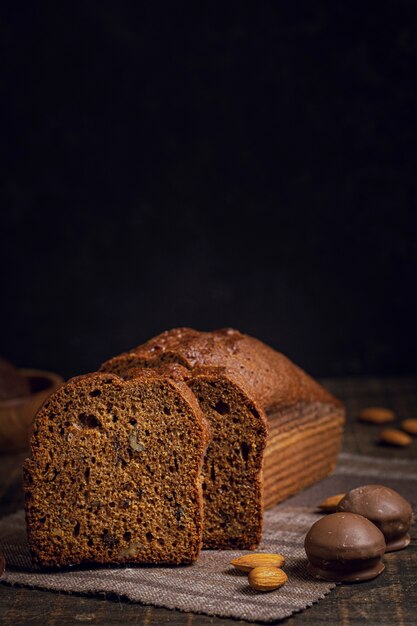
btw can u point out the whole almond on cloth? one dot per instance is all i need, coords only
(377, 415)
(267, 578)
(394, 437)
(329, 505)
(247, 562)
(410, 426)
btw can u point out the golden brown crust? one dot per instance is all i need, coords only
(273, 379)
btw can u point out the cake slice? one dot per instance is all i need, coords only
(305, 422)
(232, 469)
(115, 473)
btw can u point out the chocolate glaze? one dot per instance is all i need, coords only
(385, 508)
(344, 547)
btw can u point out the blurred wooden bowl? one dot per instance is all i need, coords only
(16, 414)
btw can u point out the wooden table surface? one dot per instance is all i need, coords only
(389, 599)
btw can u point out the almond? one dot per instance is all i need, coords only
(395, 437)
(267, 578)
(247, 562)
(329, 505)
(410, 426)
(377, 415)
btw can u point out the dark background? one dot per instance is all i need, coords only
(246, 164)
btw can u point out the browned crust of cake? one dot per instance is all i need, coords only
(95, 493)
(273, 379)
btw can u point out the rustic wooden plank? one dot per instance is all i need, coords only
(20, 606)
(389, 599)
(399, 394)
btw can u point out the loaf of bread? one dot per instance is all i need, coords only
(274, 429)
(115, 473)
(125, 460)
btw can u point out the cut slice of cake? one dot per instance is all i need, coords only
(115, 473)
(305, 421)
(232, 468)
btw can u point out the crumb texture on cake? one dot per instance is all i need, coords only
(115, 473)
(232, 470)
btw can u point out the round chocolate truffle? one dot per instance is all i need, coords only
(344, 547)
(385, 508)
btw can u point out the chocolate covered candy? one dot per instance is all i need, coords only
(344, 547)
(385, 508)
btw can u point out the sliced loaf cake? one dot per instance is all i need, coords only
(115, 473)
(305, 422)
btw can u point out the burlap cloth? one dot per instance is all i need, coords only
(211, 585)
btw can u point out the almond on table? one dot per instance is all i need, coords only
(329, 505)
(377, 415)
(247, 562)
(394, 437)
(267, 578)
(410, 426)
